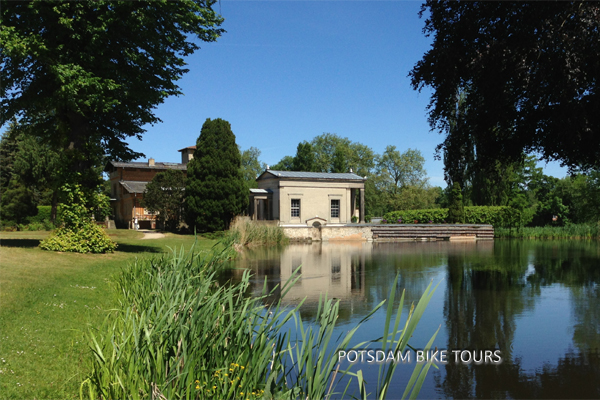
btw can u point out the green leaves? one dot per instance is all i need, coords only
(528, 71)
(215, 190)
(79, 233)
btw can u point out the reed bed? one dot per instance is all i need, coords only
(252, 233)
(178, 334)
(573, 231)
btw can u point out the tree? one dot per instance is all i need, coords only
(305, 158)
(215, 191)
(17, 203)
(403, 169)
(164, 195)
(31, 163)
(529, 73)
(456, 211)
(251, 166)
(285, 164)
(87, 75)
(336, 154)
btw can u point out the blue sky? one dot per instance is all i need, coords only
(287, 71)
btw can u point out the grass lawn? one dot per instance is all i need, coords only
(49, 300)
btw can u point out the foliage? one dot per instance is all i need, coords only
(199, 339)
(78, 233)
(336, 154)
(285, 164)
(499, 216)
(572, 231)
(456, 212)
(215, 191)
(412, 198)
(403, 169)
(252, 233)
(17, 203)
(528, 74)
(86, 76)
(164, 195)
(305, 158)
(251, 166)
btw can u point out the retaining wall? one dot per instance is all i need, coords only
(388, 232)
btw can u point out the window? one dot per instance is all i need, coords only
(295, 208)
(335, 208)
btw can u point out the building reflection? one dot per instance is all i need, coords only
(323, 269)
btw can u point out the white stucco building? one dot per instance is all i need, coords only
(308, 198)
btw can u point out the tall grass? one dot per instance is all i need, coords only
(573, 231)
(248, 233)
(179, 334)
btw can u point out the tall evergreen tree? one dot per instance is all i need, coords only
(215, 190)
(456, 211)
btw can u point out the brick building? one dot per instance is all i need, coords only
(128, 182)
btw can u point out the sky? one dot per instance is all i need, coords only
(287, 71)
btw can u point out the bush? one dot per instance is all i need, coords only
(79, 233)
(44, 213)
(90, 238)
(498, 216)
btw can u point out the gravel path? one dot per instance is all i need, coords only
(152, 235)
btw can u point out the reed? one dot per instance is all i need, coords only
(179, 334)
(572, 231)
(252, 233)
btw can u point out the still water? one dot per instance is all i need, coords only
(538, 302)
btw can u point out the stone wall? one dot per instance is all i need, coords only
(329, 233)
(376, 232)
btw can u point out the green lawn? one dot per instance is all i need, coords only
(47, 302)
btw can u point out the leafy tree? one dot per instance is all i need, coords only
(17, 203)
(305, 158)
(403, 169)
(456, 211)
(251, 166)
(285, 164)
(334, 153)
(528, 71)
(215, 191)
(164, 195)
(31, 163)
(87, 75)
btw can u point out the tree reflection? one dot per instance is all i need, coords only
(484, 298)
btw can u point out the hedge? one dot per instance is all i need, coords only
(43, 214)
(498, 216)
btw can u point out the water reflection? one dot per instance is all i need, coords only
(536, 301)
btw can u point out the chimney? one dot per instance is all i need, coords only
(151, 162)
(350, 170)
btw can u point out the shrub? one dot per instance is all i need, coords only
(498, 216)
(90, 238)
(79, 233)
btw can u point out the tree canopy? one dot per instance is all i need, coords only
(164, 195)
(215, 190)
(529, 73)
(87, 75)
(251, 166)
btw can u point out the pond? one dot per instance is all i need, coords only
(538, 302)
